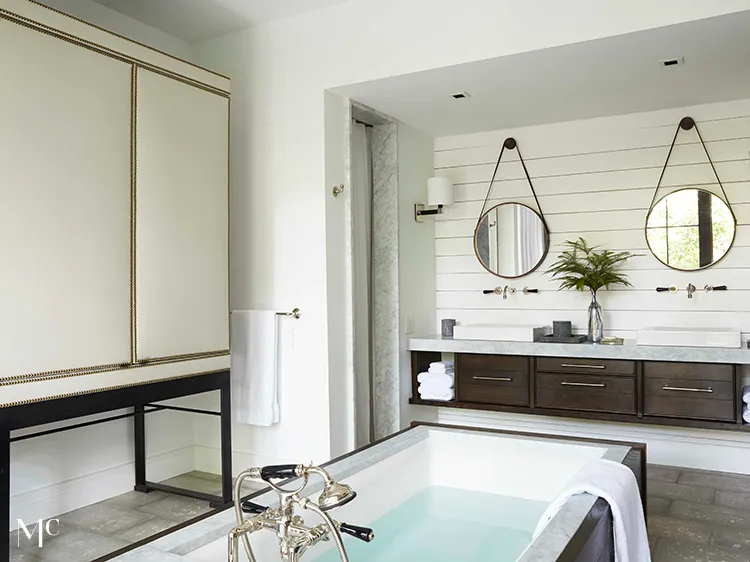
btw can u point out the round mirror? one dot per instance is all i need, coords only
(690, 229)
(511, 240)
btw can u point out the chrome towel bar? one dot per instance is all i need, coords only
(296, 314)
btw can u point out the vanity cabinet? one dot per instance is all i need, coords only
(684, 394)
(586, 385)
(493, 379)
(690, 390)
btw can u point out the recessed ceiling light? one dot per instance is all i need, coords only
(672, 62)
(461, 95)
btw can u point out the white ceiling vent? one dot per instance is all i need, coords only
(461, 95)
(672, 62)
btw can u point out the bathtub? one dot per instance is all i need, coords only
(442, 493)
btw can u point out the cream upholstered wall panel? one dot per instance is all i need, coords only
(64, 205)
(181, 219)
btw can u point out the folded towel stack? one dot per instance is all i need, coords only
(438, 382)
(746, 404)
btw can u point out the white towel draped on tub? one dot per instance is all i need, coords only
(616, 484)
(255, 398)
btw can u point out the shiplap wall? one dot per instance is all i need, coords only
(595, 178)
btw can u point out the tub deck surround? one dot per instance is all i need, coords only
(674, 386)
(424, 455)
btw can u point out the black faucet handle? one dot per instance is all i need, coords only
(720, 288)
(253, 508)
(278, 471)
(362, 533)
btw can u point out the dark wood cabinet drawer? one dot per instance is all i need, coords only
(585, 366)
(697, 371)
(493, 379)
(689, 398)
(591, 393)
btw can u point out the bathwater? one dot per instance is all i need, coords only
(440, 524)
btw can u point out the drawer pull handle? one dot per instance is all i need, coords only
(574, 366)
(501, 379)
(708, 390)
(589, 384)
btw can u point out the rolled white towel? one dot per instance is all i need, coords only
(442, 378)
(746, 413)
(746, 394)
(442, 367)
(430, 388)
(443, 397)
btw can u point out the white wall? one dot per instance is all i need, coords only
(416, 263)
(116, 22)
(595, 179)
(280, 72)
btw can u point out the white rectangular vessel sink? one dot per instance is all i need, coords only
(499, 332)
(690, 337)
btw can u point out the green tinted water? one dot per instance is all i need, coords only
(441, 524)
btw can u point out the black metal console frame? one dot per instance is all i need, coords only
(141, 398)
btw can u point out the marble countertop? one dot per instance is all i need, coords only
(629, 350)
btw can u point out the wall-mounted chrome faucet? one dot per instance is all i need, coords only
(690, 290)
(508, 290)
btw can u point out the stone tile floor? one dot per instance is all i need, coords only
(698, 516)
(95, 530)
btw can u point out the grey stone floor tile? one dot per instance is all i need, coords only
(79, 546)
(195, 483)
(145, 529)
(176, 508)
(136, 499)
(732, 538)
(102, 518)
(657, 506)
(204, 475)
(682, 551)
(659, 473)
(652, 542)
(23, 557)
(712, 514)
(737, 500)
(730, 482)
(698, 494)
(20, 543)
(679, 529)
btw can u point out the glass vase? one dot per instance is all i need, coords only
(596, 320)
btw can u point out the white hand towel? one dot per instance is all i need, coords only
(746, 394)
(254, 363)
(441, 378)
(746, 413)
(616, 484)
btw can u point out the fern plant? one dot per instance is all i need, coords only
(582, 267)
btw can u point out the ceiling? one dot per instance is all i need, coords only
(196, 20)
(611, 76)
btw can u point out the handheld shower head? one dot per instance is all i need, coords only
(335, 494)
